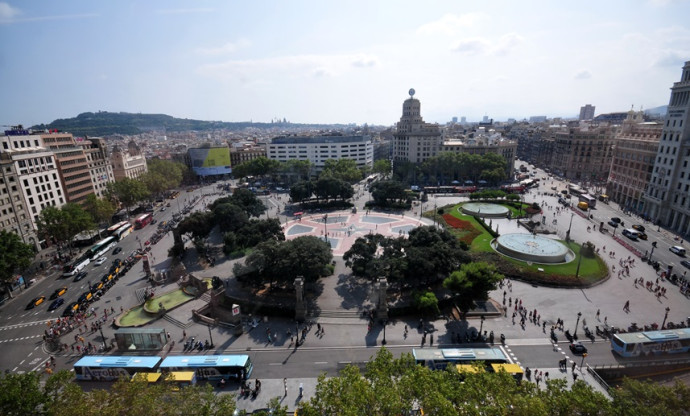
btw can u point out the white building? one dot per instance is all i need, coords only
(318, 149)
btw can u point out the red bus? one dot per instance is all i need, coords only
(143, 220)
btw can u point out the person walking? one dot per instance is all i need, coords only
(626, 307)
(285, 386)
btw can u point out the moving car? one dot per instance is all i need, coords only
(117, 250)
(80, 276)
(631, 234)
(638, 227)
(58, 292)
(677, 250)
(641, 235)
(613, 223)
(35, 302)
(101, 261)
(616, 220)
(71, 309)
(578, 348)
(685, 263)
(56, 304)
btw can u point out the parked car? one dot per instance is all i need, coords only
(35, 302)
(56, 304)
(638, 227)
(58, 292)
(578, 348)
(101, 261)
(677, 250)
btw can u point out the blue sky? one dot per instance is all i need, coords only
(337, 62)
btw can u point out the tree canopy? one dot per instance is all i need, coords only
(128, 191)
(473, 282)
(14, 256)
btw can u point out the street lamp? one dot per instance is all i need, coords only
(579, 314)
(481, 325)
(100, 328)
(663, 324)
(325, 226)
(385, 322)
(210, 336)
(567, 234)
(579, 260)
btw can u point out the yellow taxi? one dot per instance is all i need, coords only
(35, 302)
(58, 292)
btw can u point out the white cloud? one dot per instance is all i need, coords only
(507, 43)
(471, 46)
(451, 24)
(365, 61)
(227, 48)
(8, 12)
(321, 72)
(583, 74)
(482, 46)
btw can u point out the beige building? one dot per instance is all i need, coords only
(633, 160)
(414, 140)
(128, 163)
(483, 142)
(98, 160)
(29, 182)
(584, 154)
(243, 154)
(72, 165)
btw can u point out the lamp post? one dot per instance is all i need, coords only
(210, 336)
(481, 325)
(579, 314)
(325, 226)
(567, 234)
(385, 323)
(434, 213)
(663, 324)
(579, 260)
(100, 328)
(649, 259)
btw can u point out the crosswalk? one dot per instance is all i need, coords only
(23, 325)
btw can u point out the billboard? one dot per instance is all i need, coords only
(210, 161)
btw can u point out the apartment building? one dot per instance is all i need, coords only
(72, 165)
(98, 160)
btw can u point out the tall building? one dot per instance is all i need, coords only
(584, 154)
(587, 112)
(72, 165)
(415, 141)
(318, 149)
(129, 163)
(29, 182)
(667, 195)
(635, 149)
(98, 160)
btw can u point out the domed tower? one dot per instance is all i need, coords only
(415, 140)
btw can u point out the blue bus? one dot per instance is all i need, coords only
(440, 358)
(110, 367)
(640, 344)
(211, 367)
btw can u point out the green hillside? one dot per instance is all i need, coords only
(104, 123)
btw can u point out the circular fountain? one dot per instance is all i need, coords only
(485, 210)
(534, 248)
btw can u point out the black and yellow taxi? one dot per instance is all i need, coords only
(71, 309)
(35, 302)
(58, 292)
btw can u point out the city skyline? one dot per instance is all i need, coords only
(310, 62)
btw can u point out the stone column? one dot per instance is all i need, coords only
(382, 301)
(300, 305)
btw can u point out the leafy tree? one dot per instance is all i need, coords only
(52, 222)
(247, 200)
(362, 253)
(427, 302)
(230, 217)
(256, 231)
(77, 218)
(199, 224)
(343, 169)
(473, 282)
(128, 191)
(385, 192)
(14, 257)
(261, 166)
(305, 256)
(100, 209)
(163, 175)
(382, 167)
(301, 191)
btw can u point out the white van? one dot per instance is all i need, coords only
(631, 234)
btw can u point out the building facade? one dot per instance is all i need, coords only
(587, 112)
(633, 161)
(482, 143)
(128, 163)
(29, 183)
(414, 140)
(584, 154)
(667, 198)
(72, 165)
(239, 155)
(98, 160)
(318, 149)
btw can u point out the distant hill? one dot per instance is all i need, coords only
(104, 123)
(657, 111)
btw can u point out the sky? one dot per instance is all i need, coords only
(337, 62)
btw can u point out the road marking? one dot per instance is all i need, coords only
(275, 364)
(22, 362)
(344, 362)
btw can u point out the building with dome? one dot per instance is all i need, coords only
(414, 140)
(128, 163)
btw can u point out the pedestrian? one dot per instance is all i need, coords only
(598, 312)
(285, 386)
(431, 340)
(574, 377)
(574, 365)
(605, 317)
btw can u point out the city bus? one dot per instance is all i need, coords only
(589, 199)
(211, 367)
(101, 248)
(576, 190)
(639, 344)
(440, 358)
(112, 367)
(115, 227)
(143, 220)
(123, 231)
(76, 266)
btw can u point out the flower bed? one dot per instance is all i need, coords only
(465, 230)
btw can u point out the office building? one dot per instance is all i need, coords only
(414, 140)
(318, 149)
(72, 165)
(587, 112)
(667, 198)
(98, 160)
